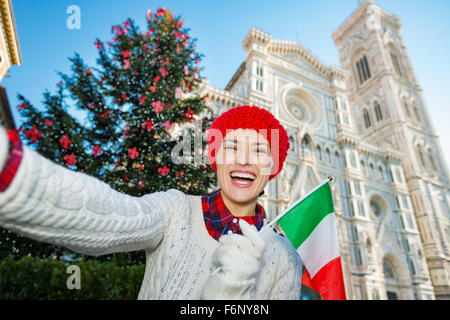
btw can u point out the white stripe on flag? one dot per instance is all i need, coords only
(321, 246)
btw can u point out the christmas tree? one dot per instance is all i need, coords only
(118, 121)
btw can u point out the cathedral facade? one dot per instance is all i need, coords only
(366, 124)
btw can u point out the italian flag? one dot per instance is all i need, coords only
(310, 225)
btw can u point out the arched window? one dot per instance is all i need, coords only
(388, 273)
(378, 113)
(375, 208)
(259, 70)
(416, 112)
(319, 153)
(398, 175)
(306, 146)
(367, 121)
(430, 156)
(380, 170)
(396, 64)
(352, 160)
(371, 170)
(363, 70)
(392, 286)
(411, 267)
(327, 155)
(363, 167)
(338, 159)
(391, 177)
(422, 160)
(405, 105)
(292, 144)
(355, 237)
(359, 261)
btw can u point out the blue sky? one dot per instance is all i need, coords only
(220, 27)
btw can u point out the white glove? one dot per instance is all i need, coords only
(4, 147)
(236, 265)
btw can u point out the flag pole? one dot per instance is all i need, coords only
(275, 220)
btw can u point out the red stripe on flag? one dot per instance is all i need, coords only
(306, 280)
(328, 282)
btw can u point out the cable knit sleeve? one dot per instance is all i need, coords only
(53, 204)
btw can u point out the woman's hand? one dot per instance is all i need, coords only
(236, 265)
(239, 256)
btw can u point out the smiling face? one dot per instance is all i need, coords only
(243, 165)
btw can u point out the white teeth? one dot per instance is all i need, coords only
(242, 175)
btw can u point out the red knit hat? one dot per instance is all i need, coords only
(250, 117)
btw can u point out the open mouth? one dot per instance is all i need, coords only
(242, 179)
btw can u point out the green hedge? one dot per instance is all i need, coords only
(34, 278)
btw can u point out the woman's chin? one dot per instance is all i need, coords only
(241, 195)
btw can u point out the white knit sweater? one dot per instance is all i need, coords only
(50, 203)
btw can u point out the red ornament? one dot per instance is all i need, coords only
(70, 159)
(97, 150)
(133, 153)
(148, 125)
(142, 99)
(157, 106)
(160, 12)
(179, 24)
(163, 170)
(98, 44)
(65, 142)
(48, 122)
(118, 30)
(152, 88)
(179, 173)
(22, 106)
(104, 115)
(125, 53)
(167, 125)
(33, 134)
(124, 97)
(163, 72)
(189, 115)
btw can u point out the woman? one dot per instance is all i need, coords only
(196, 247)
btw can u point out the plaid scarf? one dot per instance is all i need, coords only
(219, 220)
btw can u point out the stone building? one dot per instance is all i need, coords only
(365, 123)
(9, 55)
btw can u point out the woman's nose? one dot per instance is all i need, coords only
(243, 156)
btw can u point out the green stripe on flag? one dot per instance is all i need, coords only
(299, 222)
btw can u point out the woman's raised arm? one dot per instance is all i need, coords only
(50, 203)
